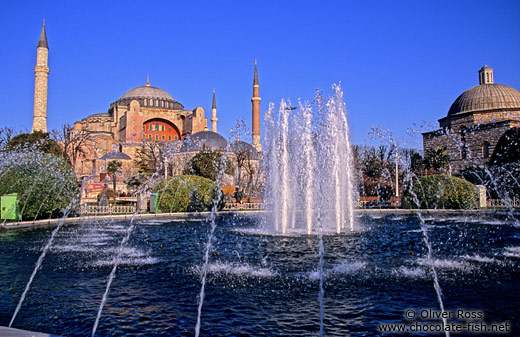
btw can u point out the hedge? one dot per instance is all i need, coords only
(188, 193)
(440, 191)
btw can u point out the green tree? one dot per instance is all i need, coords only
(437, 159)
(113, 168)
(188, 194)
(208, 164)
(507, 150)
(45, 184)
(440, 191)
(37, 140)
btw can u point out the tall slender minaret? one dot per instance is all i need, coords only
(41, 74)
(255, 100)
(214, 118)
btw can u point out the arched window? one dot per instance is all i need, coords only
(463, 131)
(464, 152)
(485, 150)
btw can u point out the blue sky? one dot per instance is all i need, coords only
(400, 63)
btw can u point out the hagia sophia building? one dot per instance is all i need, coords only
(141, 114)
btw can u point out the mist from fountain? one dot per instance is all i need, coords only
(309, 167)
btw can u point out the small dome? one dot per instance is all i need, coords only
(241, 146)
(147, 91)
(204, 140)
(486, 97)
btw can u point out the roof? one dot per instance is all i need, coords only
(204, 140)
(115, 155)
(486, 97)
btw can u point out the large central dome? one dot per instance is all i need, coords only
(149, 97)
(147, 91)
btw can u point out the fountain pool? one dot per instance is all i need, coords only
(258, 284)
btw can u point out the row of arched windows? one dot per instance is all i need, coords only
(151, 102)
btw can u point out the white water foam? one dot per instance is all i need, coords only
(73, 249)
(512, 251)
(236, 269)
(345, 268)
(481, 259)
(444, 264)
(139, 261)
(409, 272)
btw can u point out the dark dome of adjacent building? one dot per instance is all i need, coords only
(486, 96)
(147, 92)
(204, 140)
(241, 146)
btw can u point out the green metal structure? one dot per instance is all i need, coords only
(9, 205)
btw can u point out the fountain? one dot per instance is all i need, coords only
(309, 167)
(313, 266)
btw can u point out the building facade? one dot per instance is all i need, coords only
(475, 122)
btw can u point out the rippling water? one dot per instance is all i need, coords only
(259, 285)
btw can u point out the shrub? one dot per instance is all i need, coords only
(187, 193)
(45, 184)
(440, 191)
(208, 164)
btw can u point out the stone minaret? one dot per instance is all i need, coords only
(255, 100)
(485, 75)
(214, 118)
(41, 74)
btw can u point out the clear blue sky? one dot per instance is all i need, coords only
(399, 62)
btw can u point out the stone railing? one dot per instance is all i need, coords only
(87, 209)
(233, 206)
(500, 203)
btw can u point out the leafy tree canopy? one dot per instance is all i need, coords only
(37, 140)
(45, 184)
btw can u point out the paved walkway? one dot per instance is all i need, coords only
(12, 332)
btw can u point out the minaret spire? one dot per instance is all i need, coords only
(214, 118)
(255, 80)
(43, 38)
(41, 75)
(255, 100)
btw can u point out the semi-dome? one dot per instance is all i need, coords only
(208, 140)
(486, 96)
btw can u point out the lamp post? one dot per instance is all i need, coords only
(165, 168)
(396, 174)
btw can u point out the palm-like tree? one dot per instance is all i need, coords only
(437, 159)
(113, 168)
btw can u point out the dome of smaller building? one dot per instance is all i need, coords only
(147, 91)
(208, 140)
(486, 97)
